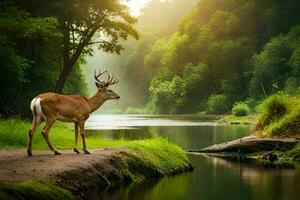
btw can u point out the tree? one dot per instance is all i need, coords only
(27, 58)
(83, 24)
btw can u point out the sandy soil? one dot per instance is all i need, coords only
(15, 165)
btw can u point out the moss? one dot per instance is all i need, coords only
(33, 189)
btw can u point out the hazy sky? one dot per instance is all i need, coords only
(136, 5)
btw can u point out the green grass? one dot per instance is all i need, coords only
(232, 119)
(14, 135)
(33, 189)
(280, 116)
(160, 154)
(240, 109)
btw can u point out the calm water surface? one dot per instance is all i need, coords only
(213, 178)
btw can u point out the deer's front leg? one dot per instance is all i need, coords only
(81, 127)
(76, 138)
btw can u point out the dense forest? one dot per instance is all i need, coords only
(44, 43)
(221, 52)
(192, 56)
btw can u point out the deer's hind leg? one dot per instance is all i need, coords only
(45, 133)
(36, 121)
(76, 137)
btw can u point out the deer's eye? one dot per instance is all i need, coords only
(109, 90)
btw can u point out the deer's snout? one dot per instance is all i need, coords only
(118, 97)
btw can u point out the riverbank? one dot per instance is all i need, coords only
(238, 120)
(71, 176)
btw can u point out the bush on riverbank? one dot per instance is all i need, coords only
(280, 116)
(240, 109)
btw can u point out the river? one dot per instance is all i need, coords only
(213, 178)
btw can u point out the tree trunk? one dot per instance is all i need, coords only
(251, 144)
(67, 68)
(70, 60)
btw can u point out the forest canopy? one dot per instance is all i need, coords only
(220, 53)
(192, 56)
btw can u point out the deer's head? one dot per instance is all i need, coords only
(103, 85)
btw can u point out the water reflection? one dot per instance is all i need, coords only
(213, 178)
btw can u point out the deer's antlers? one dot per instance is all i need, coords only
(111, 80)
(100, 73)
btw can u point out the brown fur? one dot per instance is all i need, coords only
(67, 108)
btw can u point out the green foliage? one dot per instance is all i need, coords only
(30, 52)
(288, 125)
(217, 104)
(33, 189)
(249, 49)
(272, 109)
(279, 116)
(157, 152)
(177, 95)
(240, 109)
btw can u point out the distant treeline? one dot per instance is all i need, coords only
(222, 52)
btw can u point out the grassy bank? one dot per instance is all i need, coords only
(33, 189)
(244, 120)
(14, 135)
(279, 116)
(137, 161)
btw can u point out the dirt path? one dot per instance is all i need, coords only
(15, 165)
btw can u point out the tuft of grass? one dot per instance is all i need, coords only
(160, 154)
(240, 109)
(280, 116)
(288, 125)
(33, 189)
(14, 135)
(272, 109)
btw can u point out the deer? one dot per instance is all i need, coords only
(69, 108)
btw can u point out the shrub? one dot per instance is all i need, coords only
(240, 109)
(217, 104)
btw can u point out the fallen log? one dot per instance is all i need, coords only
(251, 144)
